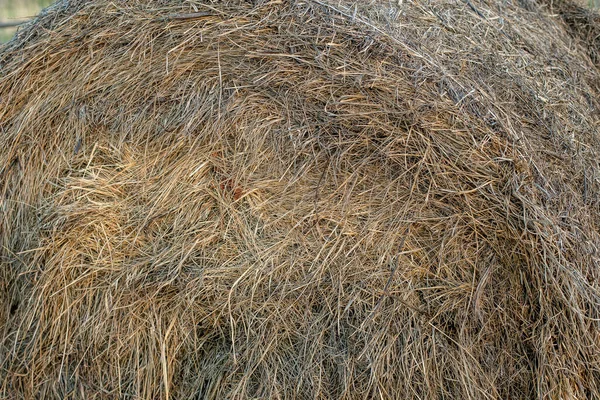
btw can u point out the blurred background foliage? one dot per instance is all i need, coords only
(12, 11)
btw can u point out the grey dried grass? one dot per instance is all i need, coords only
(300, 199)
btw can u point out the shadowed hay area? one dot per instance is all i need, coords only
(308, 199)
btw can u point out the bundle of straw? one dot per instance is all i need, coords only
(303, 199)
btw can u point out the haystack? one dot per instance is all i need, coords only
(301, 199)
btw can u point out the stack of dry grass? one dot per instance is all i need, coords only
(301, 199)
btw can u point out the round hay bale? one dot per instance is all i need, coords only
(315, 199)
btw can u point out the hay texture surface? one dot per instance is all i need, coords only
(308, 199)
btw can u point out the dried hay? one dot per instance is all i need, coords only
(300, 199)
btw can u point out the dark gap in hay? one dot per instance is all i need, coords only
(583, 24)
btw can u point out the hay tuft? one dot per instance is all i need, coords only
(301, 199)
